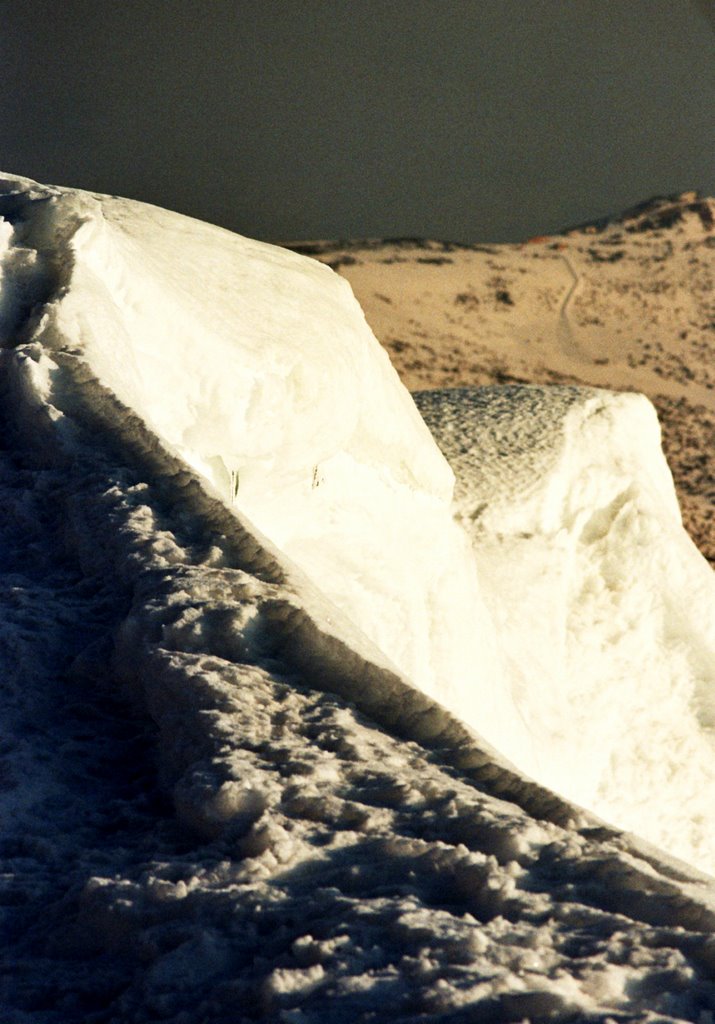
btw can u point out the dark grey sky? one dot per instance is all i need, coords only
(459, 119)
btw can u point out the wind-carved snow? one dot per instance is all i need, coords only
(257, 367)
(590, 662)
(327, 865)
(602, 604)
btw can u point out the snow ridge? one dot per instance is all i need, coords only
(256, 419)
(284, 887)
(320, 863)
(299, 819)
(59, 383)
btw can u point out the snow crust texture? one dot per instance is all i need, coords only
(220, 798)
(604, 607)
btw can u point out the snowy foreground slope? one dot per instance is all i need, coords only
(279, 825)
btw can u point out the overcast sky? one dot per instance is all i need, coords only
(286, 119)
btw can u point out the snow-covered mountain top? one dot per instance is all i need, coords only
(229, 792)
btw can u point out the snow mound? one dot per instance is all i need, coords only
(316, 866)
(257, 368)
(602, 604)
(574, 634)
(338, 846)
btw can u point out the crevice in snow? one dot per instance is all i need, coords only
(601, 520)
(26, 283)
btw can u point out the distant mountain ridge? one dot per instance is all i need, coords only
(661, 211)
(657, 212)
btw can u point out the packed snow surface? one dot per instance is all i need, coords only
(232, 510)
(256, 366)
(603, 607)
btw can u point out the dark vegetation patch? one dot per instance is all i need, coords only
(466, 299)
(665, 217)
(341, 261)
(502, 376)
(703, 211)
(606, 257)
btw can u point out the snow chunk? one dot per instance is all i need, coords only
(604, 607)
(257, 367)
(575, 634)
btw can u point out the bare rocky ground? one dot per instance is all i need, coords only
(625, 304)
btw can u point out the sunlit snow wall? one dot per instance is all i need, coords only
(257, 366)
(603, 606)
(568, 619)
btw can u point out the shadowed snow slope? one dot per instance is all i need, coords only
(337, 845)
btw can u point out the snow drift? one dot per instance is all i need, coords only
(589, 664)
(256, 366)
(603, 606)
(270, 546)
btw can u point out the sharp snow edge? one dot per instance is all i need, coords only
(55, 396)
